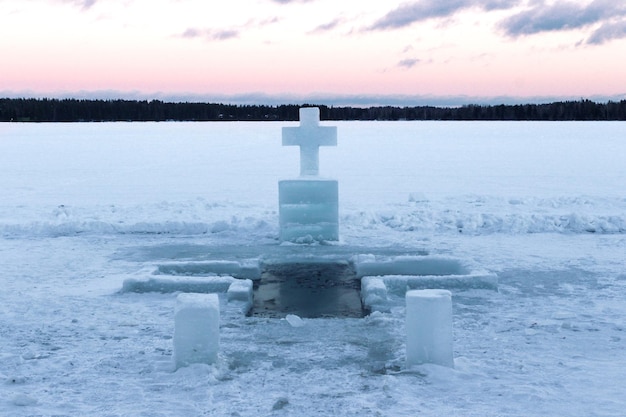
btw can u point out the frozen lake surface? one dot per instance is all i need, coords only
(85, 205)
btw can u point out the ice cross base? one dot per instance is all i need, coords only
(308, 210)
(309, 206)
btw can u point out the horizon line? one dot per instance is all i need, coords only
(327, 99)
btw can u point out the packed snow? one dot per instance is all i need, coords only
(86, 207)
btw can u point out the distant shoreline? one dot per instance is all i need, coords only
(75, 110)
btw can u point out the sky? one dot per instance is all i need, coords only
(337, 52)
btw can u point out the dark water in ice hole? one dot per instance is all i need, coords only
(328, 289)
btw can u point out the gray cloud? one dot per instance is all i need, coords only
(540, 16)
(608, 32)
(489, 5)
(222, 34)
(566, 16)
(210, 34)
(264, 22)
(327, 26)
(559, 16)
(290, 1)
(88, 3)
(410, 13)
(192, 33)
(408, 63)
(83, 4)
(414, 12)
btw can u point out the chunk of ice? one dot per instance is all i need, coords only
(410, 265)
(248, 269)
(294, 320)
(429, 327)
(165, 284)
(240, 291)
(196, 330)
(374, 294)
(398, 285)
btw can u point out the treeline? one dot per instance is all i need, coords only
(73, 110)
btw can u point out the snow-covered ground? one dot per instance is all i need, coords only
(85, 205)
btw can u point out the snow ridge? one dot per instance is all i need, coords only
(473, 215)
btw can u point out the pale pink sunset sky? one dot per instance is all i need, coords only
(328, 51)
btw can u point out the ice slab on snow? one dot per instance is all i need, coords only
(385, 280)
(399, 284)
(197, 330)
(409, 265)
(380, 293)
(166, 284)
(429, 327)
(247, 269)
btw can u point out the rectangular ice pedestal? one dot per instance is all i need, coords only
(429, 327)
(241, 292)
(196, 329)
(308, 208)
(374, 294)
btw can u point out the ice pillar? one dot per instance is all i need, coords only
(196, 329)
(429, 327)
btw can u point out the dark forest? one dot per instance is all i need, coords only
(74, 110)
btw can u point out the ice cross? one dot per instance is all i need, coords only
(310, 136)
